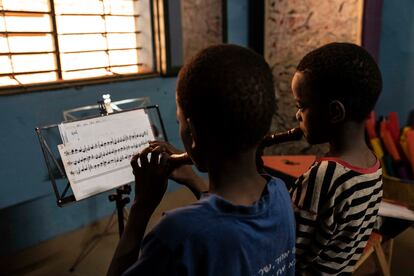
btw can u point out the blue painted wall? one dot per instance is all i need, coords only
(28, 211)
(396, 58)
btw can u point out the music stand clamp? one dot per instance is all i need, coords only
(120, 204)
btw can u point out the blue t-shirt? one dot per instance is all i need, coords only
(215, 237)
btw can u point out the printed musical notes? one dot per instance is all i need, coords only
(85, 159)
(97, 152)
(111, 141)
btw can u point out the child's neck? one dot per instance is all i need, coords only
(348, 144)
(236, 179)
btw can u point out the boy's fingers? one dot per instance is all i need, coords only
(168, 147)
(155, 153)
(158, 149)
(164, 158)
(143, 157)
(164, 161)
(152, 143)
(134, 162)
(155, 144)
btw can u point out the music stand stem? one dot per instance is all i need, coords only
(120, 202)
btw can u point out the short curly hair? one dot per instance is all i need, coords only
(344, 72)
(228, 92)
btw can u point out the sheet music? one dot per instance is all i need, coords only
(96, 152)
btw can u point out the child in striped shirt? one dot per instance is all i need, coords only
(336, 201)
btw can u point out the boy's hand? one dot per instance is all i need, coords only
(184, 174)
(179, 174)
(151, 176)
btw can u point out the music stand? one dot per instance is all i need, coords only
(49, 135)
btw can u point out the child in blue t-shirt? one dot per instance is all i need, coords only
(245, 224)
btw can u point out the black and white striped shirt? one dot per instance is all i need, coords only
(336, 206)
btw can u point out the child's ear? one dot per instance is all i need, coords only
(336, 112)
(192, 133)
(197, 149)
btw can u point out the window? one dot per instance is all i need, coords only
(44, 41)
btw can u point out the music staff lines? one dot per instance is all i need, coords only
(102, 164)
(104, 173)
(105, 144)
(103, 154)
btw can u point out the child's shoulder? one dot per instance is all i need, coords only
(339, 164)
(212, 211)
(333, 176)
(275, 184)
(279, 190)
(330, 173)
(180, 224)
(194, 213)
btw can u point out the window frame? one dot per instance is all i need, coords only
(165, 43)
(64, 84)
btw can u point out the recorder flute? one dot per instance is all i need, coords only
(293, 134)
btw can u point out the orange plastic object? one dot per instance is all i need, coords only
(388, 141)
(410, 147)
(292, 165)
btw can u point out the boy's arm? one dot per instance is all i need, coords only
(150, 185)
(186, 176)
(127, 251)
